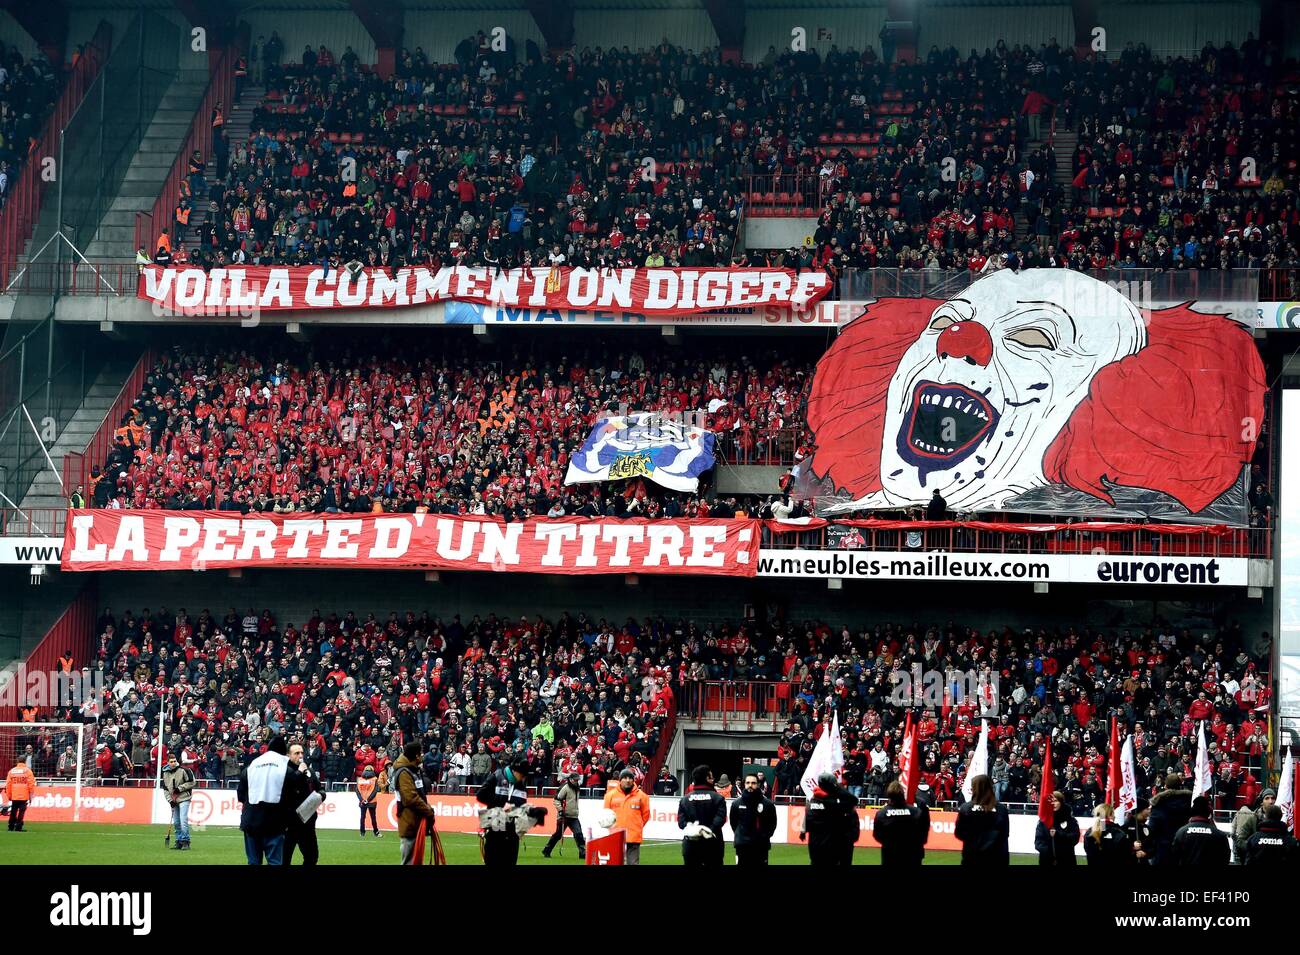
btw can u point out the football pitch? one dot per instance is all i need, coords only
(88, 844)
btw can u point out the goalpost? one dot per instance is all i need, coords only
(17, 738)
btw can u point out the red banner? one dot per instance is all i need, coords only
(199, 540)
(250, 290)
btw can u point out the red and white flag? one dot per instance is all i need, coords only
(827, 757)
(909, 763)
(1204, 778)
(979, 761)
(1128, 791)
(1286, 788)
(1045, 788)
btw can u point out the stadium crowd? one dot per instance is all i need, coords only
(1062, 684)
(594, 159)
(453, 432)
(28, 89)
(575, 696)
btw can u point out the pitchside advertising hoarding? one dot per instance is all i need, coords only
(164, 540)
(221, 808)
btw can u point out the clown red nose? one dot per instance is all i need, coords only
(968, 340)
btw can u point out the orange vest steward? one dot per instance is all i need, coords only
(632, 810)
(20, 783)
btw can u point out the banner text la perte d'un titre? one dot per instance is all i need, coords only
(167, 540)
(661, 292)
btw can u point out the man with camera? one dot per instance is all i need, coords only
(507, 816)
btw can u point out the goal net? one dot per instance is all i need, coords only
(58, 754)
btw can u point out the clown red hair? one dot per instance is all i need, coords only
(1180, 416)
(850, 391)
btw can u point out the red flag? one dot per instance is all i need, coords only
(1045, 813)
(1114, 774)
(909, 763)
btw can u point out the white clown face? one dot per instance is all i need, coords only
(981, 395)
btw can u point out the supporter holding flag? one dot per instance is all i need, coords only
(1056, 843)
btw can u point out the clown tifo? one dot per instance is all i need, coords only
(1027, 379)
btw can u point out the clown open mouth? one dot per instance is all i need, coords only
(945, 423)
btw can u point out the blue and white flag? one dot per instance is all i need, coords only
(643, 444)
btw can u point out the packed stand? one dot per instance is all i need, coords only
(459, 431)
(1066, 684)
(1158, 176)
(575, 695)
(28, 90)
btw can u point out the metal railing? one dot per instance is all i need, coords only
(22, 207)
(737, 704)
(776, 446)
(221, 90)
(1016, 538)
(77, 466)
(798, 190)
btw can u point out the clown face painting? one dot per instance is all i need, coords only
(1031, 379)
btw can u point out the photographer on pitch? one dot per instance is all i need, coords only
(508, 815)
(265, 818)
(566, 816)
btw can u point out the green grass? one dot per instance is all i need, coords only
(88, 844)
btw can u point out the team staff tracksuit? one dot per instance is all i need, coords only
(902, 832)
(299, 785)
(702, 804)
(1113, 846)
(831, 821)
(1200, 842)
(1271, 845)
(753, 821)
(1055, 846)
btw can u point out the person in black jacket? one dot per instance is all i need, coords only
(299, 783)
(1200, 842)
(1107, 844)
(1056, 845)
(505, 794)
(264, 817)
(830, 823)
(701, 813)
(983, 827)
(753, 821)
(1271, 844)
(901, 830)
(1170, 811)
